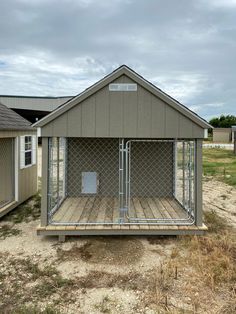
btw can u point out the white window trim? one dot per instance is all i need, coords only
(33, 151)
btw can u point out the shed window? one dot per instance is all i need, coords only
(28, 151)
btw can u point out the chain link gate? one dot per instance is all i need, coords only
(163, 170)
(110, 174)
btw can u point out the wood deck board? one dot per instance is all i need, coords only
(93, 215)
(177, 208)
(80, 204)
(140, 212)
(155, 209)
(109, 209)
(87, 210)
(116, 214)
(169, 209)
(161, 208)
(146, 208)
(101, 213)
(71, 205)
(61, 211)
(132, 213)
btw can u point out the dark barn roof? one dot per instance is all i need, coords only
(10, 120)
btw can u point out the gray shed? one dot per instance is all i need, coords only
(122, 157)
(18, 160)
(222, 135)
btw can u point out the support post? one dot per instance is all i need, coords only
(44, 202)
(198, 182)
(61, 238)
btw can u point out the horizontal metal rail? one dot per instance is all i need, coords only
(116, 223)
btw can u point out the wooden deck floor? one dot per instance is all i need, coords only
(105, 210)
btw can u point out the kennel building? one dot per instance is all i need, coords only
(122, 157)
(18, 160)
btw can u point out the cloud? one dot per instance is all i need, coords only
(221, 3)
(187, 47)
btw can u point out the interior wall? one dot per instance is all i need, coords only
(151, 169)
(151, 166)
(93, 155)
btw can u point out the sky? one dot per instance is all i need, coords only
(186, 47)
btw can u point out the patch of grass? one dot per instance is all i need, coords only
(36, 272)
(28, 211)
(49, 286)
(165, 276)
(214, 222)
(104, 305)
(35, 310)
(8, 231)
(230, 306)
(213, 257)
(41, 283)
(221, 164)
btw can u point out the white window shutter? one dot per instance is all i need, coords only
(22, 152)
(34, 149)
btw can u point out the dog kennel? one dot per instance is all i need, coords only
(121, 158)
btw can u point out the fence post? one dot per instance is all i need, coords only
(44, 202)
(198, 182)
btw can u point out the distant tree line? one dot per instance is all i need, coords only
(223, 121)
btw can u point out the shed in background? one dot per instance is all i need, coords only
(222, 135)
(18, 160)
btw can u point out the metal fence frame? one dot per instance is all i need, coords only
(61, 151)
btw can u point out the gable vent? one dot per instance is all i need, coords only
(122, 87)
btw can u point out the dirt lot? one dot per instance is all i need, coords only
(121, 274)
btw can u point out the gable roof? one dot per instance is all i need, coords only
(10, 120)
(124, 70)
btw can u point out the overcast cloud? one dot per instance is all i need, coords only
(185, 47)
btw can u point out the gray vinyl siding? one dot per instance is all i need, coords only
(138, 114)
(27, 182)
(27, 177)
